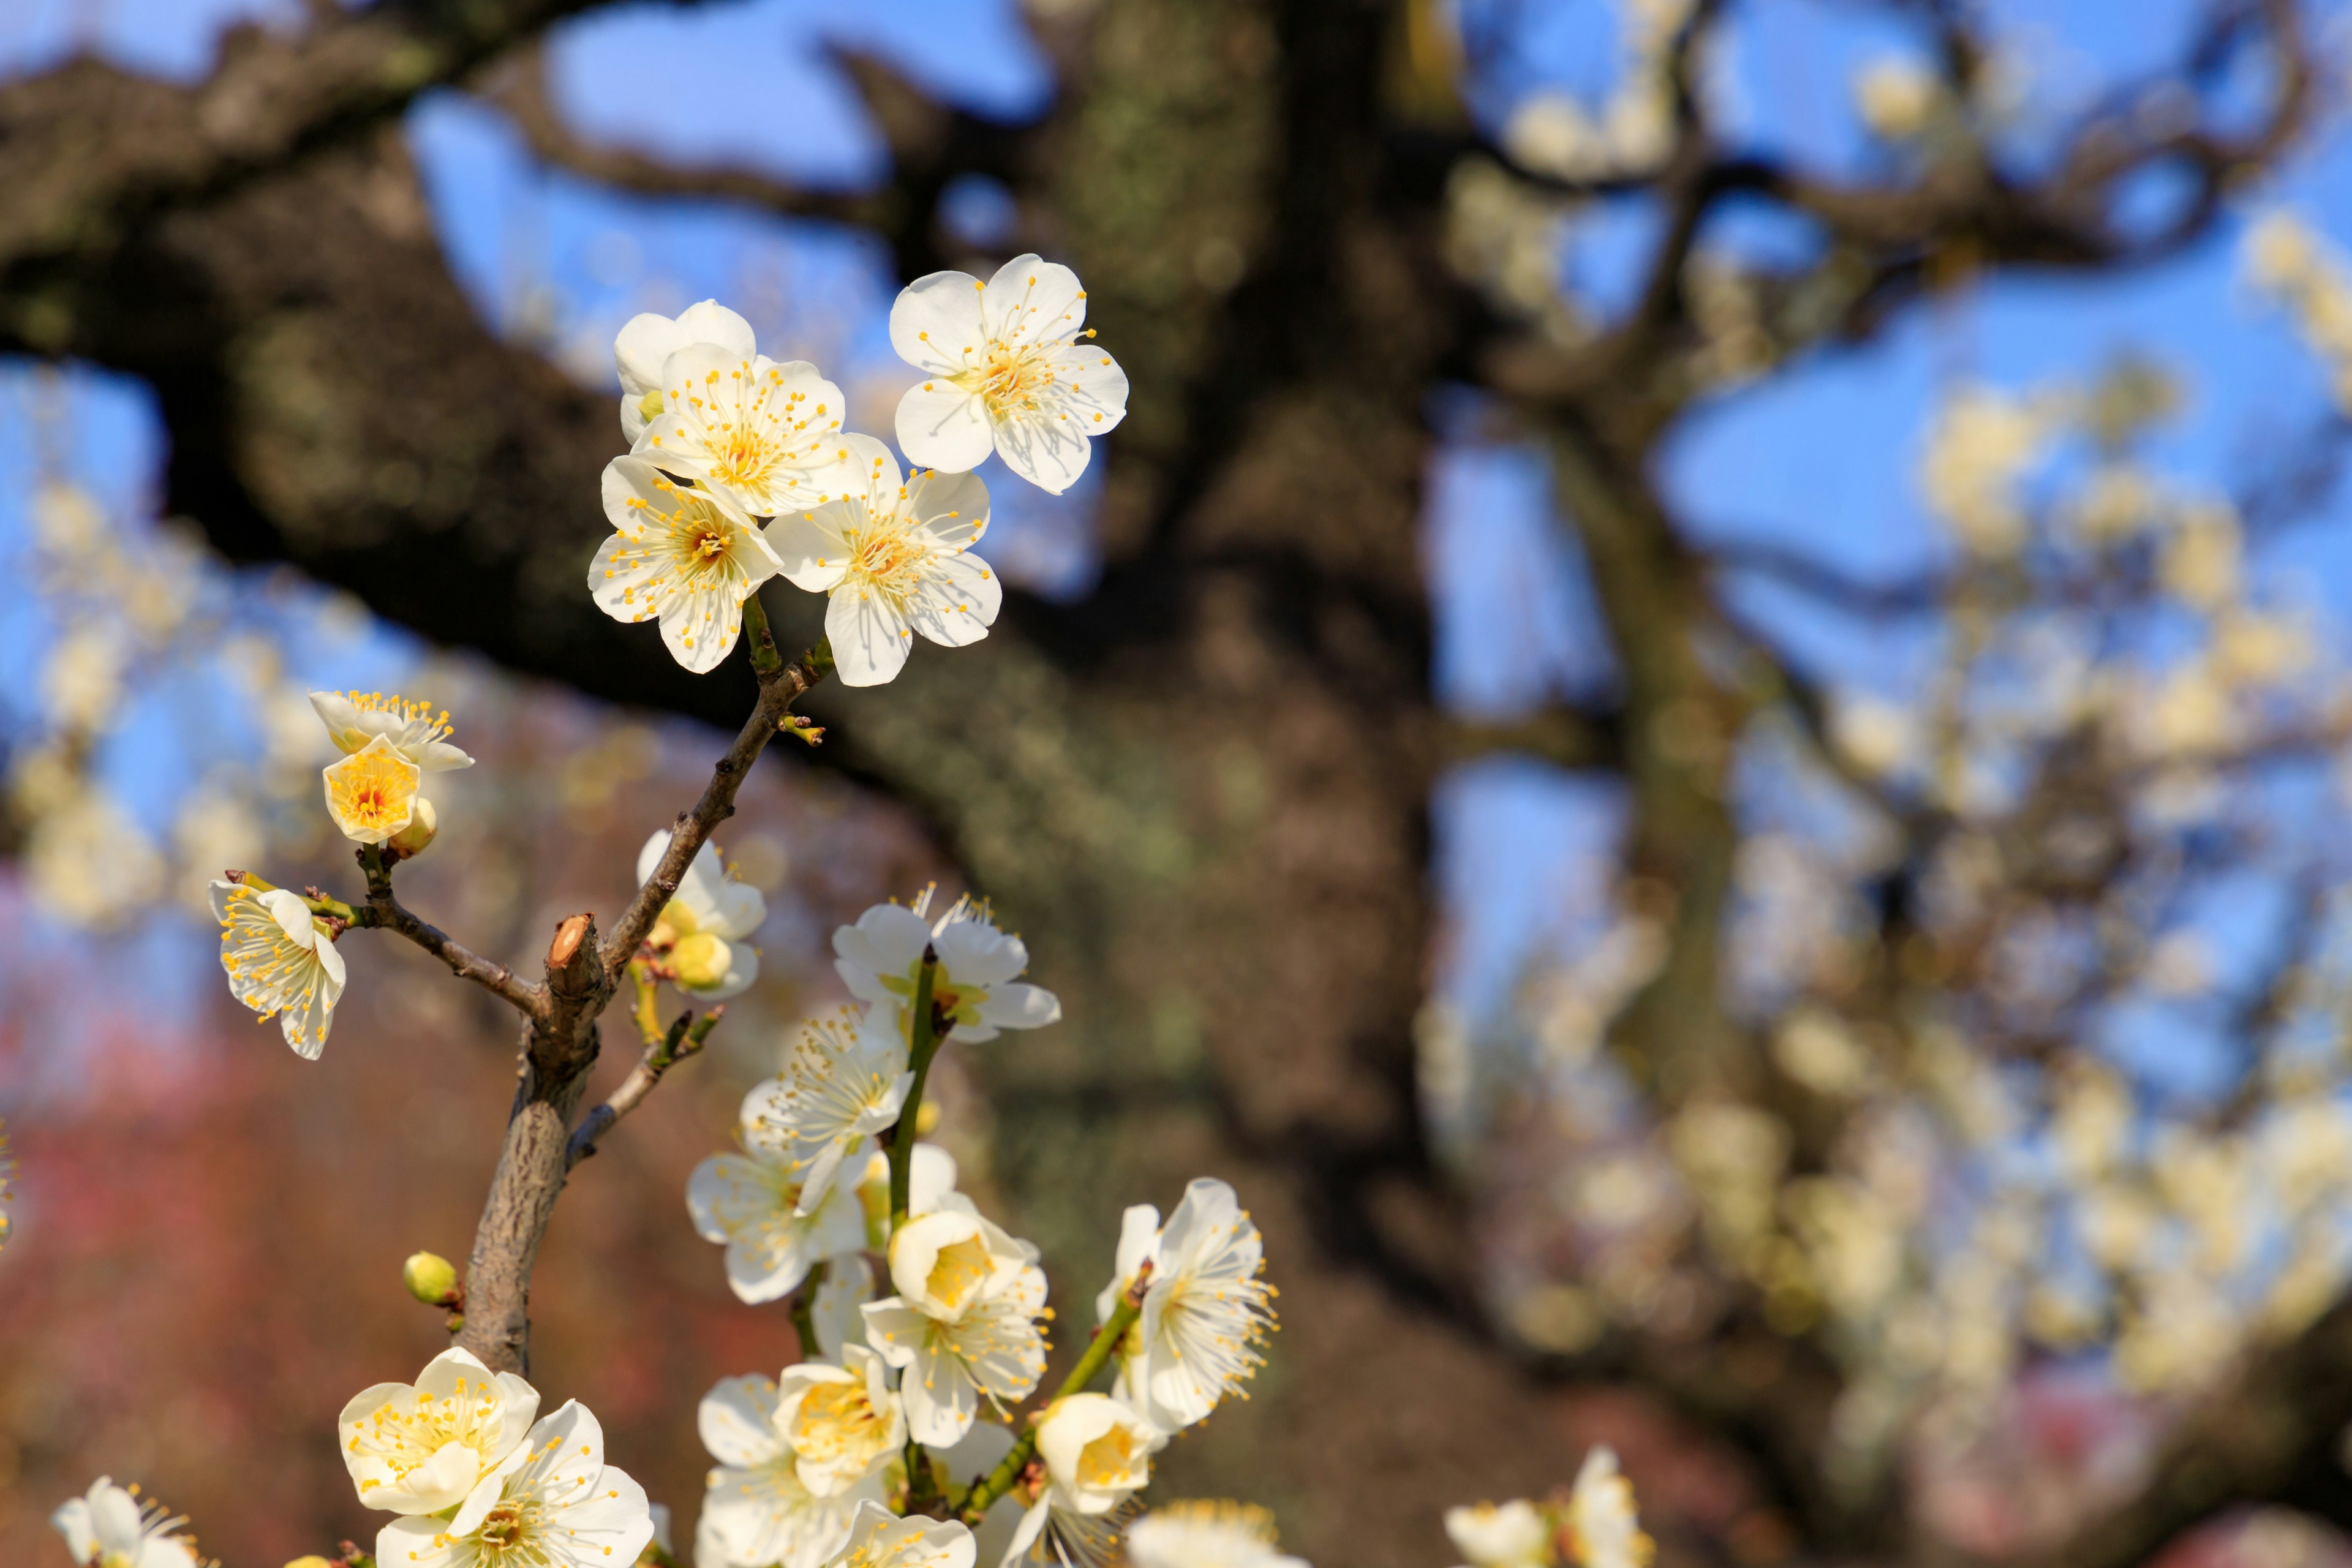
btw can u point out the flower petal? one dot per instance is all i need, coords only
(935, 323)
(1044, 445)
(1031, 300)
(942, 426)
(869, 636)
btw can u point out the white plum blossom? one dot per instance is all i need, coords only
(1005, 369)
(681, 554)
(109, 1526)
(843, 1082)
(841, 1423)
(1065, 1539)
(1097, 1454)
(836, 1313)
(880, 1539)
(645, 344)
(963, 1326)
(893, 556)
(1512, 1535)
(372, 793)
(756, 1512)
(930, 1182)
(354, 719)
(1205, 1311)
(555, 1504)
(705, 928)
(881, 959)
(421, 1447)
(281, 962)
(751, 1201)
(1209, 1534)
(767, 436)
(1601, 1528)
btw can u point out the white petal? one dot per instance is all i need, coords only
(949, 510)
(1031, 302)
(958, 602)
(941, 426)
(935, 323)
(643, 344)
(737, 1421)
(1044, 447)
(419, 1543)
(811, 544)
(1087, 385)
(869, 636)
(1017, 1005)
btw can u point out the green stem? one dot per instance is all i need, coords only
(998, 1481)
(922, 1045)
(804, 1318)
(766, 662)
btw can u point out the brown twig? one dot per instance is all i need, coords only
(686, 1038)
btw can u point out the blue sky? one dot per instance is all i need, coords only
(1821, 457)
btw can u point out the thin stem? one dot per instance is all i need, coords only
(664, 1050)
(923, 1043)
(766, 662)
(1099, 1349)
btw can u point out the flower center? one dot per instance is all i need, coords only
(503, 1527)
(958, 1271)
(886, 558)
(835, 1419)
(1106, 1461)
(1010, 378)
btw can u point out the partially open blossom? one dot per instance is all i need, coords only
(705, 931)
(645, 342)
(354, 719)
(1205, 1311)
(109, 1526)
(1064, 1538)
(842, 1423)
(945, 1261)
(881, 959)
(880, 1539)
(1602, 1530)
(1513, 1534)
(893, 557)
(751, 1201)
(558, 1505)
(765, 435)
(757, 1513)
(424, 826)
(843, 1083)
(1004, 368)
(280, 962)
(423, 1447)
(989, 1348)
(1097, 1455)
(681, 554)
(1210, 1534)
(372, 793)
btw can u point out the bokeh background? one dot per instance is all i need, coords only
(1697, 729)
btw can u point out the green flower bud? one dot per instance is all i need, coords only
(430, 1277)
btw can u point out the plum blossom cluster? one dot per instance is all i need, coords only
(907, 1405)
(740, 468)
(1594, 1526)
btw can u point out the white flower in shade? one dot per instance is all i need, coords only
(705, 931)
(836, 1314)
(880, 1539)
(556, 1505)
(1097, 1453)
(280, 961)
(1513, 1534)
(1602, 1529)
(683, 554)
(645, 344)
(893, 556)
(1208, 1534)
(751, 1201)
(354, 719)
(421, 1447)
(372, 793)
(1064, 1538)
(1205, 1311)
(766, 435)
(930, 1182)
(1004, 368)
(881, 959)
(109, 1528)
(841, 1423)
(972, 1457)
(757, 1512)
(991, 1349)
(843, 1082)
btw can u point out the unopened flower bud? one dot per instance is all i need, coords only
(313, 1560)
(423, 823)
(650, 406)
(701, 961)
(430, 1277)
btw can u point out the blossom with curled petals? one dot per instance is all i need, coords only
(555, 1504)
(281, 962)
